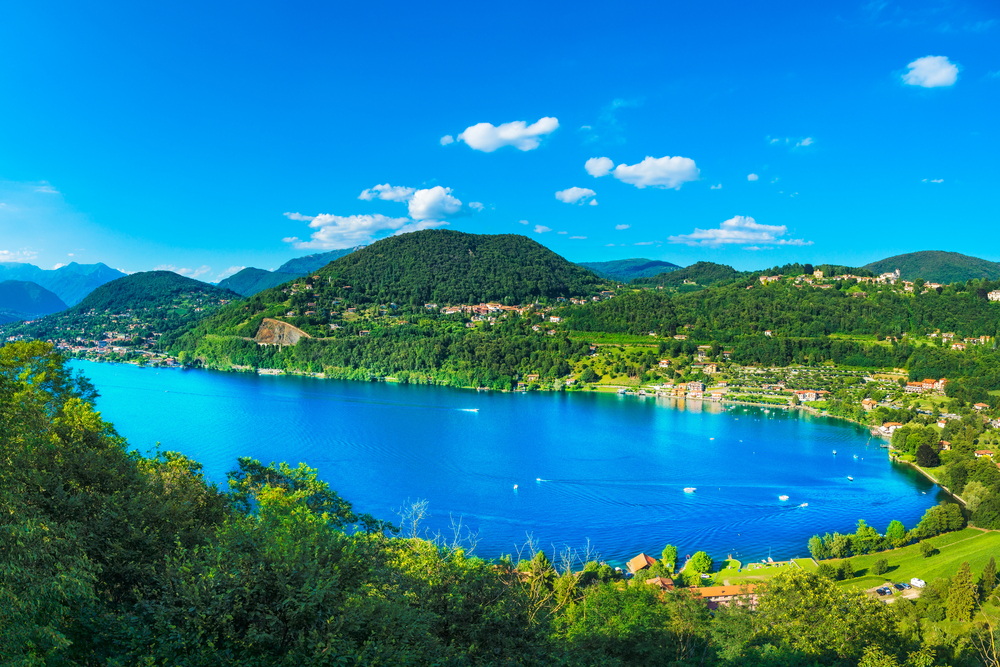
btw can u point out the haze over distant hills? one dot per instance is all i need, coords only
(627, 269)
(252, 280)
(937, 266)
(70, 283)
(23, 300)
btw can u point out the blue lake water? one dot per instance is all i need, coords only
(612, 469)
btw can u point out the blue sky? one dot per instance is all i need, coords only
(211, 137)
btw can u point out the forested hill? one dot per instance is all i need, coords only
(938, 266)
(701, 273)
(149, 289)
(300, 266)
(21, 299)
(448, 267)
(249, 281)
(627, 269)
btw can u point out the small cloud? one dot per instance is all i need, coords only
(447, 139)
(808, 141)
(759, 247)
(586, 127)
(776, 179)
(775, 140)
(299, 217)
(562, 232)
(599, 166)
(931, 72)
(386, 192)
(752, 177)
(476, 206)
(575, 195)
(577, 238)
(609, 245)
(621, 227)
(738, 230)
(716, 187)
(593, 202)
(46, 188)
(58, 266)
(433, 204)
(228, 272)
(665, 172)
(336, 231)
(541, 229)
(190, 273)
(487, 138)
(644, 243)
(523, 222)
(69, 254)
(933, 180)
(19, 256)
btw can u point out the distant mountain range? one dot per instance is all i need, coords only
(252, 280)
(24, 300)
(70, 283)
(937, 266)
(627, 269)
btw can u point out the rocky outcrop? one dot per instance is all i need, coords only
(276, 332)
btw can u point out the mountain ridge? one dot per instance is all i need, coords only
(22, 300)
(938, 266)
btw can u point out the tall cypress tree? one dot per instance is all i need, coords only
(988, 581)
(962, 595)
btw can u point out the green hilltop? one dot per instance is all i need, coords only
(938, 266)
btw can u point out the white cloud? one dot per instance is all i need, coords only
(933, 180)
(562, 232)
(621, 227)
(716, 187)
(228, 272)
(931, 72)
(58, 266)
(20, 256)
(578, 238)
(46, 188)
(387, 192)
(523, 222)
(586, 127)
(476, 206)
(599, 166)
(593, 202)
(609, 245)
(70, 255)
(541, 229)
(776, 179)
(298, 216)
(447, 139)
(487, 138)
(752, 177)
(336, 231)
(738, 230)
(575, 195)
(433, 204)
(190, 273)
(808, 141)
(644, 243)
(759, 247)
(664, 172)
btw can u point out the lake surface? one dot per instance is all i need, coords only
(605, 467)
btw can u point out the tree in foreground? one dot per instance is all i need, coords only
(988, 580)
(962, 597)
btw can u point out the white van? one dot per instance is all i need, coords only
(917, 583)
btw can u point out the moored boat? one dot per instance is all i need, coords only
(689, 489)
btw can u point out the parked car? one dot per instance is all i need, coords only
(884, 591)
(899, 587)
(905, 585)
(917, 583)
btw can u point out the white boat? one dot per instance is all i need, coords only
(835, 452)
(515, 487)
(782, 497)
(849, 478)
(689, 489)
(804, 505)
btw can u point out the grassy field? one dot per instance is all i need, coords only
(733, 572)
(971, 544)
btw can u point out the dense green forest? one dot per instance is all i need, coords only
(146, 290)
(446, 267)
(701, 273)
(938, 266)
(627, 269)
(110, 557)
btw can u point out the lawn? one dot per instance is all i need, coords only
(755, 572)
(971, 544)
